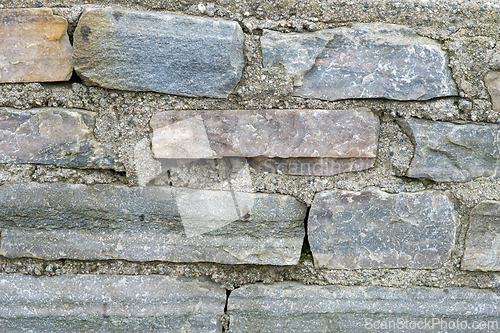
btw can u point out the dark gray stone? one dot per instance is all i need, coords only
(292, 307)
(52, 221)
(374, 229)
(52, 136)
(146, 51)
(447, 152)
(378, 61)
(112, 303)
(482, 244)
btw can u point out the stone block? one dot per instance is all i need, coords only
(492, 81)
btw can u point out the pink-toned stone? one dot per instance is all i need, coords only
(492, 80)
(34, 46)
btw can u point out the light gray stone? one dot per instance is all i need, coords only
(270, 133)
(52, 221)
(492, 81)
(292, 307)
(447, 152)
(52, 136)
(378, 60)
(482, 244)
(112, 303)
(374, 229)
(147, 51)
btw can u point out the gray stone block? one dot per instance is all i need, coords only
(147, 51)
(52, 221)
(374, 229)
(292, 307)
(447, 152)
(99, 303)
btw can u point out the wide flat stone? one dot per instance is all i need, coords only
(109, 303)
(34, 46)
(292, 307)
(378, 60)
(147, 51)
(269, 133)
(447, 152)
(52, 136)
(374, 229)
(52, 221)
(482, 244)
(492, 81)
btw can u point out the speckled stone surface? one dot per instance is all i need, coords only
(375, 229)
(492, 81)
(52, 221)
(269, 133)
(293, 307)
(482, 244)
(147, 51)
(109, 303)
(34, 46)
(447, 152)
(52, 136)
(376, 60)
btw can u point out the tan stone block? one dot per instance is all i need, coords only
(492, 81)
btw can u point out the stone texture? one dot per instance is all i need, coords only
(145, 166)
(378, 61)
(52, 221)
(52, 136)
(492, 81)
(292, 307)
(446, 152)
(146, 51)
(112, 303)
(269, 133)
(374, 229)
(482, 244)
(34, 46)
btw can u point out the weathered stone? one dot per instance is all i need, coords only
(292, 307)
(34, 46)
(492, 81)
(51, 221)
(311, 166)
(378, 61)
(52, 136)
(145, 51)
(374, 229)
(482, 244)
(112, 303)
(145, 166)
(270, 133)
(446, 152)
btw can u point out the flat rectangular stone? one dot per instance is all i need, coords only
(292, 307)
(52, 221)
(447, 152)
(109, 303)
(52, 136)
(374, 60)
(269, 133)
(34, 46)
(147, 51)
(374, 229)
(482, 244)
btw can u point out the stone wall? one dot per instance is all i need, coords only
(266, 166)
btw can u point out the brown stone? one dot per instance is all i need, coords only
(492, 80)
(34, 46)
(269, 133)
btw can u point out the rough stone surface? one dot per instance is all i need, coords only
(374, 229)
(51, 221)
(34, 46)
(269, 133)
(378, 61)
(99, 303)
(146, 167)
(292, 307)
(492, 80)
(446, 152)
(146, 51)
(52, 136)
(482, 244)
